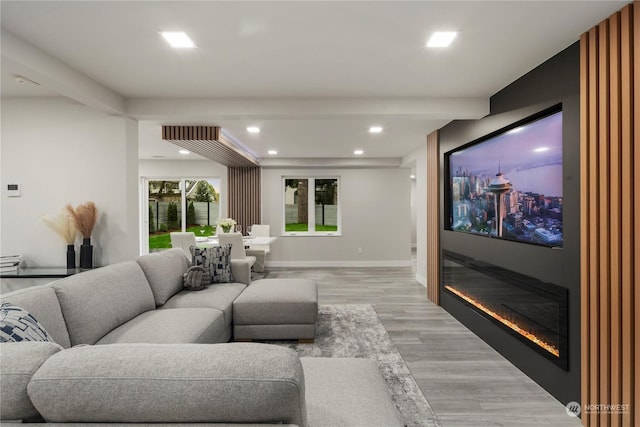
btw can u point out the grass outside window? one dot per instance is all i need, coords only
(162, 240)
(303, 228)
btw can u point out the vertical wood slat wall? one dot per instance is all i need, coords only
(244, 195)
(433, 218)
(610, 219)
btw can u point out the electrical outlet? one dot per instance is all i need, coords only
(359, 251)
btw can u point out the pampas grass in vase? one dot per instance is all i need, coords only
(84, 218)
(63, 225)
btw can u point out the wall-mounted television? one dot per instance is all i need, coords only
(508, 184)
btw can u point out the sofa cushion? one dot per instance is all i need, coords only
(216, 259)
(164, 272)
(219, 296)
(183, 325)
(96, 302)
(184, 383)
(17, 324)
(18, 363)
(347, 392)
(42, 303)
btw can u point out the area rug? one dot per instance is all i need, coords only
(354, 330)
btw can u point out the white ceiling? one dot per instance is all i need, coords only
(313, 75)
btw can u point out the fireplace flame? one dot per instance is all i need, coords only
(528, 335)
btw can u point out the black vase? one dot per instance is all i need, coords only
(86, 253)
(71, 256)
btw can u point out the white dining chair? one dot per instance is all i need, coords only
(237, 247)
(183, 240)
(259, 251)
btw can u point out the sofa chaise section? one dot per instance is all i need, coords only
(239, 384)
(156, 383)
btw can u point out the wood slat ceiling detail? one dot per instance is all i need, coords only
(207, 141)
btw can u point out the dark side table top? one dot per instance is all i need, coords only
(40, 272)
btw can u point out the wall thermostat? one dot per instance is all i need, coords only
(13, 190)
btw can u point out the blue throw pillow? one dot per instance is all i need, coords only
(16, 324)
(215, 260)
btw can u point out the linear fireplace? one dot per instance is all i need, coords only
(535, 312)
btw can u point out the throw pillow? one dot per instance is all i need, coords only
(216, 260)
(16, 324)
(196, 278)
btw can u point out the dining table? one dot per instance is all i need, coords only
(210, 241)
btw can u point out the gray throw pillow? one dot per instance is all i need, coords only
(215, 260)
(196, 278)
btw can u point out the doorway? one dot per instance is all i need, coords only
(183, 204)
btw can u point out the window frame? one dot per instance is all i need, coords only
(312, 232)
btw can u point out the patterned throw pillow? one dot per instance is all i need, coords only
(216, 260)
(16, 324)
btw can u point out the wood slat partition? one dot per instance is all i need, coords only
(433, 218)
(610, 219)
(244, 195)
(208, 142)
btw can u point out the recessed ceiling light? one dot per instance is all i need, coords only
(412, 177)
(178, 39)
(375, 129)
(183, 151)
(441, 38)
(253, 129)
(358, 152)
(272, 152)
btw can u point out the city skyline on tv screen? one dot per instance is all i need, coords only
(518, 174)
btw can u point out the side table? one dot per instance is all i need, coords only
(33, 276)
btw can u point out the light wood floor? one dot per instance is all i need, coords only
(467, 383)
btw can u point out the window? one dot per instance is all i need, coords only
(311, 206)
(179, 205)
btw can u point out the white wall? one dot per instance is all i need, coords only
(61, 152)
(419, 158)
(376, 216)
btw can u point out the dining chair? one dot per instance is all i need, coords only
(237, 247)
(259, 251)
(261, 230)
(183, 240)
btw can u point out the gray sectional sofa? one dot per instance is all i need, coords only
(130, 345)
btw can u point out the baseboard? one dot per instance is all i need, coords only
(422, 280)
(302, 264)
